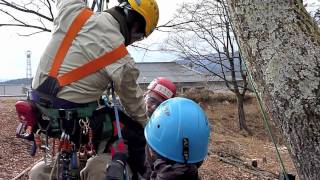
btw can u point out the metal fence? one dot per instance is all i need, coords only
(12, 90)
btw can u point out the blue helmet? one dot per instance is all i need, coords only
(179, 130)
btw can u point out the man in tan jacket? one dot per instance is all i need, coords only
(86, 53)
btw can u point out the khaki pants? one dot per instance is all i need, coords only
(95, 169)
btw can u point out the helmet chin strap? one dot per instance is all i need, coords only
(122, 1)
(185, 149)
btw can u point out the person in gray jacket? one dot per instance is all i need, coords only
(86, 53)
(101, 33)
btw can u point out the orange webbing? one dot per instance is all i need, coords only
(68, 38)
(93, 65)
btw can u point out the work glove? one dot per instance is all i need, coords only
(115, 170)
(119, 151)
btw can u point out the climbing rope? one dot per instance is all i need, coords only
(264, 114)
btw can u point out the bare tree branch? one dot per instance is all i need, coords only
(168, 25)
(201, 34)
(22, 24)
(49, 7)
(30, 34)
(27, 26)
(26, 10)
(28, 14)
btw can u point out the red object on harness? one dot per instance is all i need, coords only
(27, 117)
(118, 147)
(25, 111)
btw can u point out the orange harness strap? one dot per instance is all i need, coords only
(93, 66)
(89, 67)
(67, 41)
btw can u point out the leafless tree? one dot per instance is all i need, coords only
(36, 15)
(317, 16)
(314, 10)
(202, 36)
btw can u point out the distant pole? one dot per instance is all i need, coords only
(28, 70)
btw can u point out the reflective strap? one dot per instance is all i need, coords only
(67, 41)
(93, 65)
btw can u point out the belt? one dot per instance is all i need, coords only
(55, 102)
(79, 112)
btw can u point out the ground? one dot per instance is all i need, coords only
(230, 152)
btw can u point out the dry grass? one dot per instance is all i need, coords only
(222, 109)
(207, 96)
(197, 95)
(226, 140)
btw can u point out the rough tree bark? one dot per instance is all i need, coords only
(281, 44)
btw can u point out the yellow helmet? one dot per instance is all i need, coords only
(150, 12)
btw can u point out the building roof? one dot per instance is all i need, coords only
(171, 70)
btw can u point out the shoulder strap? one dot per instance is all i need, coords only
(93, 66)
(68, 38)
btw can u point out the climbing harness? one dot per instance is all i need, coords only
(60, 119)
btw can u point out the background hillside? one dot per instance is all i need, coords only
(17, 81)
(211, 62)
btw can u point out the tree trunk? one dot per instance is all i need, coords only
(281, 45)
(241, 114)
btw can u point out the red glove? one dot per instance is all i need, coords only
(119, 151)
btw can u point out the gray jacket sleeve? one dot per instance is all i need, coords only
(124, 74)
(62, 4)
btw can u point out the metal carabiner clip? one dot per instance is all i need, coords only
(84, 125)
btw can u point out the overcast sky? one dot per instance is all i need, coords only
(13, 47)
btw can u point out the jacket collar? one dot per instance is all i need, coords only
(120, 17)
